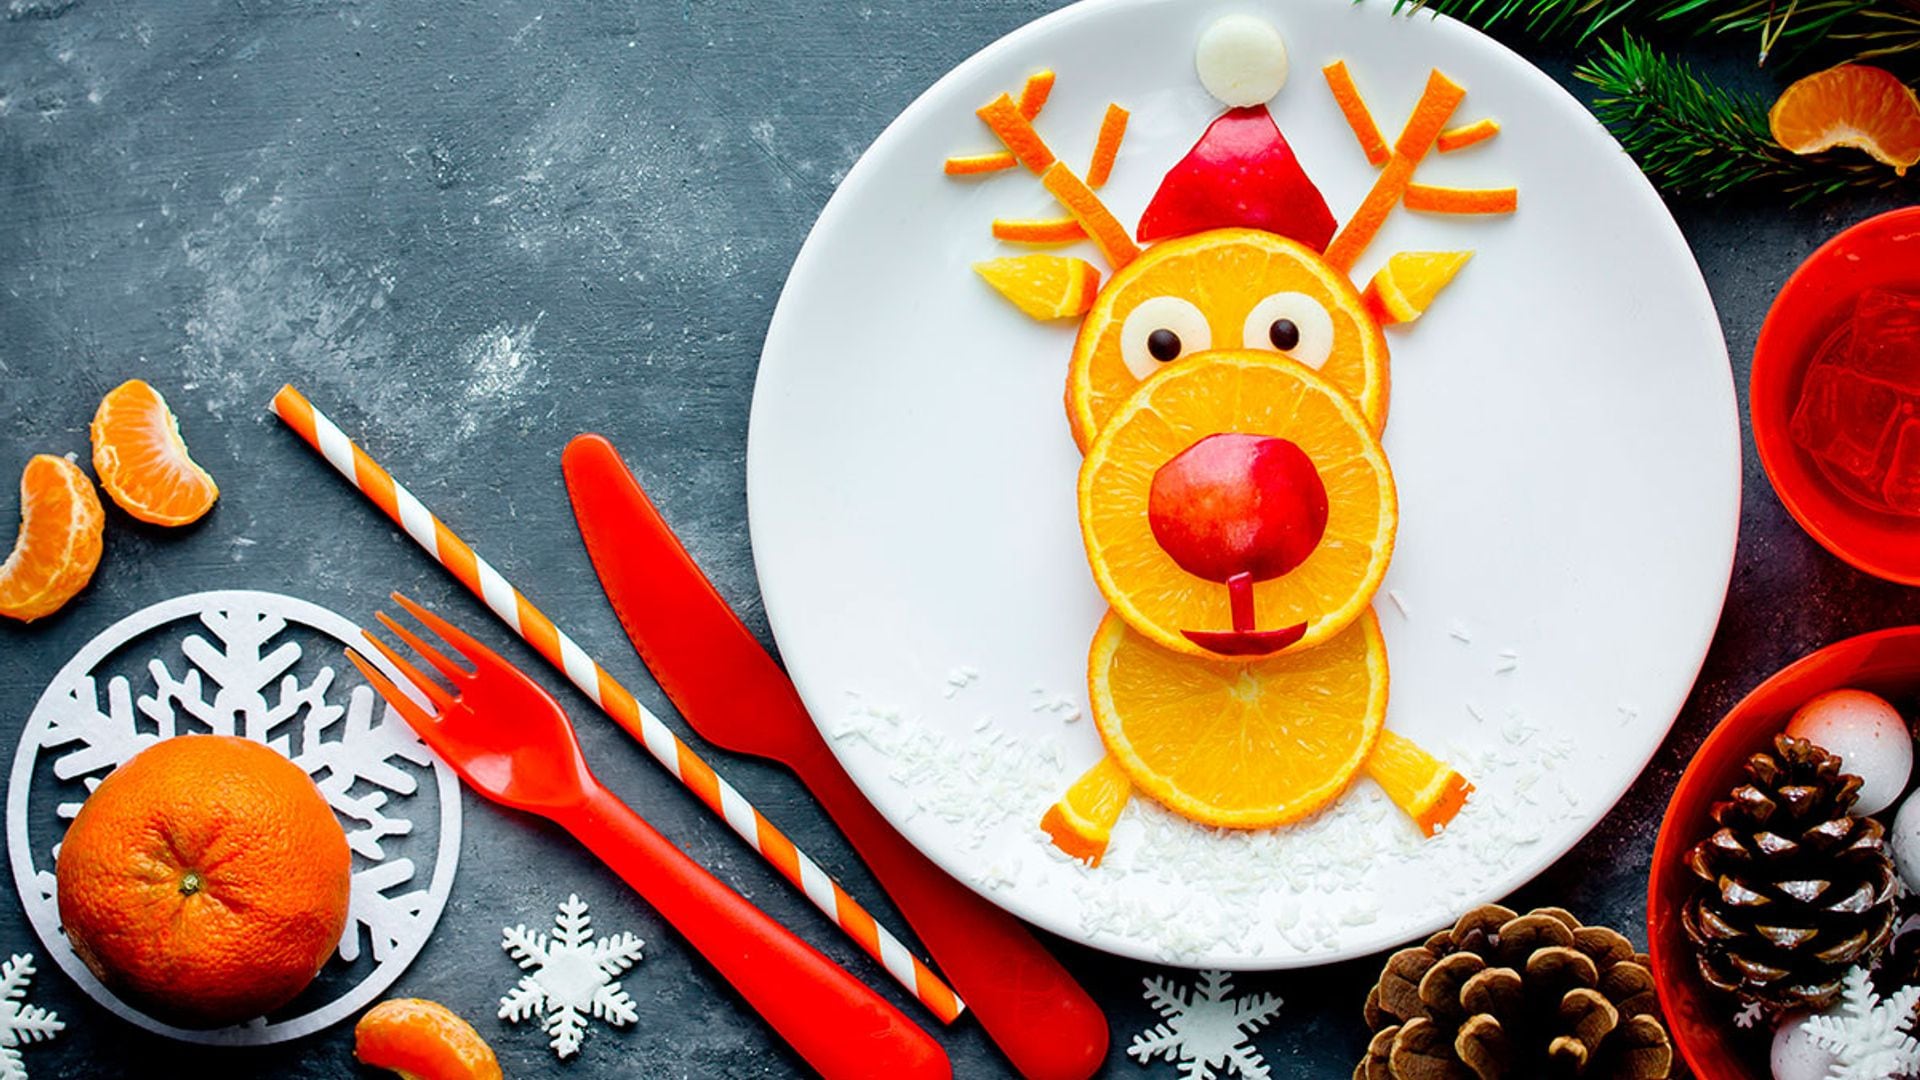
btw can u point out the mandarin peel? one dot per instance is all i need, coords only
(1354, 108)
(1106, 232)
(1431, 199)
(1437, 102)
(1106, 146)
(1042, 231)
(1003, 117)
(1459, 138)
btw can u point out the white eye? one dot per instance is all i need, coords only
(1160, 330)
(1291, 323)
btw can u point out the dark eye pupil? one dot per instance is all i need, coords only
(1283, 334)
(1164, 345)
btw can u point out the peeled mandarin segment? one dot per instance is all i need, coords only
(1459, 138)
(1224, 272)
(1436, 104)
(1403, 288)
(1254, 393)
(423, 1040)
(58, 546)
(1081, 823)
(1239, 744)
(1354, 108)
(143, 463)
(1043, 286)
(1855, 105)
(1451, 200)
(1428, 789)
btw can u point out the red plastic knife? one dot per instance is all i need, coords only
(733, 693)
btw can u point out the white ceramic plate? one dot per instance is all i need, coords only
(1563, 433)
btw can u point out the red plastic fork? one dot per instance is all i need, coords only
(511, 742)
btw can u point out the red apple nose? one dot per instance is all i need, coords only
(1234, 504)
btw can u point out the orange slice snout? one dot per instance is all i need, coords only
(1238, 744)
(142, 461)
(59, 542)
(423, 1040)
(1251, 393)
(1854, 105)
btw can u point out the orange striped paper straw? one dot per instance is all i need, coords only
(679, 759)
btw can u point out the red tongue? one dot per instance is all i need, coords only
(1240, 174)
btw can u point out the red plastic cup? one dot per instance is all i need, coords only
(1880, 252)
(1886, 662)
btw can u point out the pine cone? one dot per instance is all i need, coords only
(1800, 889)
(1516, 997)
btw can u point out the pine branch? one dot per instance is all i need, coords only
(1695, 139)
(1879, 30)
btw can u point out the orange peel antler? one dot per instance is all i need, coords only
(1004, 118)
(1437, 102)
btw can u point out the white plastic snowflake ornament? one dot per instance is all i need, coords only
(20, 1023)
(1204, 1028)
(572, 977)
(1867, 1034)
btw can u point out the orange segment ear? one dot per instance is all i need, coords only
(1044, 286)
(1408, 283)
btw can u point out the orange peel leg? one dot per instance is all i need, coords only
(1064, 230)
(1105, 230)
(1451, 200)
(1426, 788)
(1437, 102)
(1106, 148)
(1012, 127)
(1354, 108)
(1459, 138)
(1081, 823)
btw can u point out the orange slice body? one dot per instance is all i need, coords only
(1043, 286)
(1225, 273)
(423, 1040)
(1242, 745)
(1255, 393)
(58, 546)
(1854, 105)
(1403, 288)
(143, 463)
(1428, 789)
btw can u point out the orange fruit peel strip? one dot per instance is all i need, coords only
(1437, 102)
(1081, 823)
(1402, 289)
(1426, 788)
(1459, 138)
(1106, 147)
(976, 164)
(1855, 105)
(1043, 286)
(143, 462)
(1033, 95)
(1354, 108)
(1111, 237)
(423, 1039)
(1431, 199)
(1012, 127)
(1064, 230)
(58, 546)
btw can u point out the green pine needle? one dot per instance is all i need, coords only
(1695, 139)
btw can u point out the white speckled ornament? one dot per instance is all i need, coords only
(1903, 843)
(1242, 60)
(1795, 1057)
(1870, 737)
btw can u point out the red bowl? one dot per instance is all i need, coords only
(1886, 662)
(1881, 251)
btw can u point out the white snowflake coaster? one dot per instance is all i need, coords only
(268, 668)
(1204, 1028)
(1867, 1034)
(20, 1023)
(571, 977)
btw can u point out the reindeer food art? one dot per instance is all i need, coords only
(1227, 390)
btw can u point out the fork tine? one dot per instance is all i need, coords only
(417, 718)
(438, 659)
(418, 678)
(451, 634)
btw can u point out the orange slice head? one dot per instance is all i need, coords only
(1253, 393)
(423, 1040)
(1243, 745)
(143, 462)
(1223, 289)
(1854, 105)
(58, 547)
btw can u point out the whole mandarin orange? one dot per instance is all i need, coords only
(205, 880)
